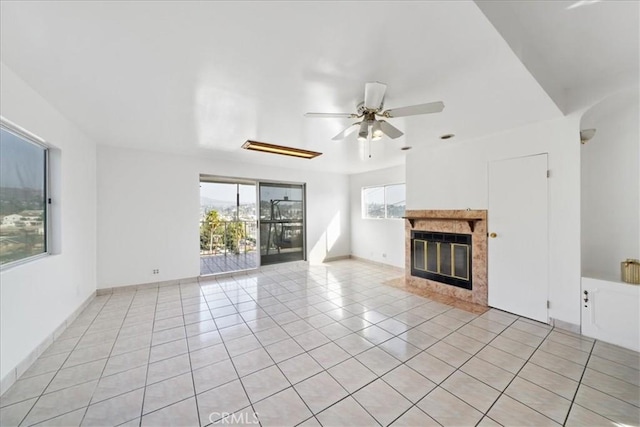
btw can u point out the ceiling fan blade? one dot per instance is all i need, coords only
(432, 107)
(389, 130)
(348, 131)
(374, 95)
(331, 115)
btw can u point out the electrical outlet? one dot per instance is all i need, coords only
(156, 271)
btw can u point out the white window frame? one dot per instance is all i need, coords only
(36, 140)
(363, 209)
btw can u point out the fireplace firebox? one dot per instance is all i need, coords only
(442, 257)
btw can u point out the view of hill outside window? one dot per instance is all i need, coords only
(228, 228)
(225, 210)
(388, 201)
(22, 197)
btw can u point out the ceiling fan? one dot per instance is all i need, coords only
(371, 108)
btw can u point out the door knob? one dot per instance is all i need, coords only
(493, 235)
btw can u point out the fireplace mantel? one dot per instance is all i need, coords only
(470, 216)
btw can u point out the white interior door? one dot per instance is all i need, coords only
(610, 312)
(518, 236)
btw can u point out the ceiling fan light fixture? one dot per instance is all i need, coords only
(376, 131)
(373, 107)
(363, 133)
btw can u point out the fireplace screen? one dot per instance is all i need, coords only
(442, 257)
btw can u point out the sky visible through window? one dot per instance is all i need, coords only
(21, 163)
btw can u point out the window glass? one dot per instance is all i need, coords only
(395, 200)
(373, 202)
(23, 214)
(281, 202)
(281, 222)
(386, 201)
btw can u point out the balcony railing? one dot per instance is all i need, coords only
(230, 237)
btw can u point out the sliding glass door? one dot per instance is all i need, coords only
(232, 225)
(282, 225)
(228, 227)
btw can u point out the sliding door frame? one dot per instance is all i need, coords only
(304, 211)
(203, 177)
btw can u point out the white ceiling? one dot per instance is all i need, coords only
(573, 48)
(200, 78)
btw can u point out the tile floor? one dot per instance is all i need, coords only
(322, 345)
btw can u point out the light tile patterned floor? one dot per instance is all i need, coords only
(322, 345)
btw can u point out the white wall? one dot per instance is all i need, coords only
(380, 240)
(35, 298)
(149, 208)
(611, 187)
(453, 175)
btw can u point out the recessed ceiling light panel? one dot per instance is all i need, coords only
(279, 149)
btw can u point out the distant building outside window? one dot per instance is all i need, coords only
(23, 196)
(386, 201)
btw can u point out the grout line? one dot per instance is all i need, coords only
(575, 394)
(475, 354)
(351, 356)
(230, 360)
(146, 377)
(624, 380)
(186, 338)
(286, 289)
(516, 376)
(313, 415)
(107, 361)
(438, 385)
(42, 393)
(23, 366)
(305, 352)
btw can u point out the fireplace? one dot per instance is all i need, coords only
(446, 253)
(442, 257)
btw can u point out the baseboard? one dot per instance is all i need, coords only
(16, 372)
(336, 258)
(378, 263)
(282, 266)
(142, 286)
(198, 279)
(567, 326)
(21, 368)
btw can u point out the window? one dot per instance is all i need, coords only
(386, 201)
(23, 196)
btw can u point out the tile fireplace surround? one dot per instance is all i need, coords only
(472, 222)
